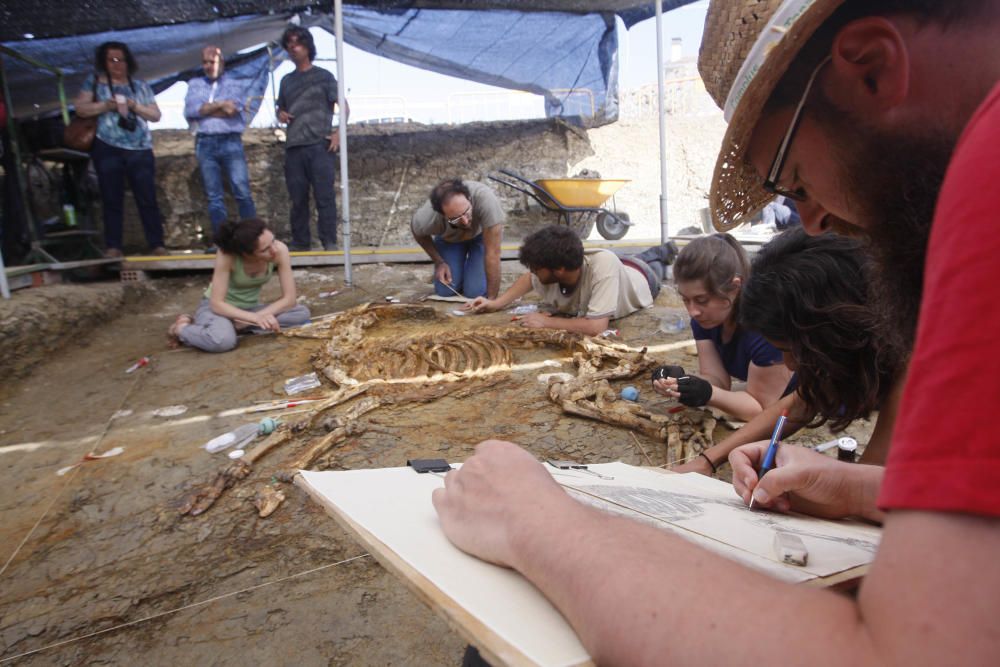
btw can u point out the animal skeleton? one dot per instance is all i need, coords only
(380, 367)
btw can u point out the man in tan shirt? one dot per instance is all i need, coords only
(583, 291)
(460, 227)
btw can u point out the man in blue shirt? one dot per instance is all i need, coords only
(215, 111)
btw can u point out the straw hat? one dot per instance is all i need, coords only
(745, 50)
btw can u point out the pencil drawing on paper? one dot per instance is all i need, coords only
(689, 510)
(773, 522)
(664, 505)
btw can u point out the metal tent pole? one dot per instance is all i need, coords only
(664, 229)
(345, 195)
(4, 287)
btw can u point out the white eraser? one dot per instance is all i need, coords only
(790, 548)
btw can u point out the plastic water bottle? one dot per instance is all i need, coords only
(674, 323)
(240, 437)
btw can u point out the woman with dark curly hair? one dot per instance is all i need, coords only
(123, 148)
(808, 297)
(248, 257)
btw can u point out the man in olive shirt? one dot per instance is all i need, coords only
(460, 227)
(583, 290)
(306, 102)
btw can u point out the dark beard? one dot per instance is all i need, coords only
(895, 179)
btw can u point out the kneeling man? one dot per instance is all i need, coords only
(583, 290)
(460, 227)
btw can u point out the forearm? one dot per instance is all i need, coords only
(427, 243)
(759, 427)
(520, 287)
(492, 274)
(224, 309)
(149, 112)
(578, 324)
(862, 492)
(279, 306)
(209, 108)
(605, 575)
(739, 404)
(91, 109)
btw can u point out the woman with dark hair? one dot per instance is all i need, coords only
(123, 147)
(808, 295)
(248, 256)
(710, 273)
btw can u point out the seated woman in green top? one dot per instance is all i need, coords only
(248, 256)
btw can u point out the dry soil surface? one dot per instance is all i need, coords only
(104, 545)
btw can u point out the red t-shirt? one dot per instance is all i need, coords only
(945, 452)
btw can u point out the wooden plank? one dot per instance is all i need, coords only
(493, 648)
(360, 255)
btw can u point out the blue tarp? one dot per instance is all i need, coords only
(570, 58)
(161, 52)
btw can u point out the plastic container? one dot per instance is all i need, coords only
(847, 449)
(238, 437)
(302, 383)
(524, 309)
(674, 323)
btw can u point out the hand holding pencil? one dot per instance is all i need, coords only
(805, 481)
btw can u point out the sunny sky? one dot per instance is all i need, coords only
(381, 88)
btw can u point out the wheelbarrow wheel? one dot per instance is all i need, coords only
(612, 226)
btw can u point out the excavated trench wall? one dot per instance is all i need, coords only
(392, 168)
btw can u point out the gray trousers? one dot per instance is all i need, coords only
(215, 333)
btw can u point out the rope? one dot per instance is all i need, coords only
(72, 474)
(187, 606)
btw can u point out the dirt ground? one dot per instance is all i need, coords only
(104, 545)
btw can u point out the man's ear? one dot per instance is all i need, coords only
(870, 67)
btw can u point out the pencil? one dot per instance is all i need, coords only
(457, 293)
(772, 449)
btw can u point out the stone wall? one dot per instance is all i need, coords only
(392, 168)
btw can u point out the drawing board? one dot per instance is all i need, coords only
(390, 511)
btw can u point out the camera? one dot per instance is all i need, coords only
(128, 123)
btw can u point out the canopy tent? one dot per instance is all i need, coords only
(41, 20)
(566, 52)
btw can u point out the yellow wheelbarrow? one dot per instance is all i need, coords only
(578, 201)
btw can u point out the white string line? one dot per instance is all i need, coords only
(187, 606)
(72, 474)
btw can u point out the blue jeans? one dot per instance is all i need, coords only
(218, 155)
(114, 166)
(467, 262)
(305, 167)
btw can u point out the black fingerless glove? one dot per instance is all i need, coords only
(663, 372)
(694, 392)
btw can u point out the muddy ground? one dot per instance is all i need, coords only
(110, 547)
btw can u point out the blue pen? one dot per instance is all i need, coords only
(772, 449)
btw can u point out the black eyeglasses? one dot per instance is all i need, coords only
(774, 175)
(455, 221)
